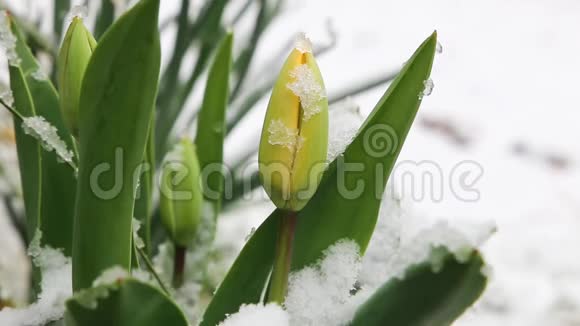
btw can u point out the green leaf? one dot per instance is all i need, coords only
(246, 278)
(128, 303)
(28, 151)
(58, 184)
(105, 18)
(209, 140)
(330, 216)
(61, 7)
(117, 99)
(425, 297)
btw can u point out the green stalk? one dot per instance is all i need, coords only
(283, 259)
(179, 265)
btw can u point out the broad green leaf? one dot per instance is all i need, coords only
(425, 297)
(28, 151)
(58, 185)
(127, 303)
(329, 216)
(247, 276)
(209, 140)
(117, 99)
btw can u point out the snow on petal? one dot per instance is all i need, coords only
(308, 89)
(281, 135)
(303, 43)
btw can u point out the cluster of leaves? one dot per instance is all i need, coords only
(127, 105)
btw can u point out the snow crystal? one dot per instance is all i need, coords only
(39, 75)
(320, 295)
(303, 43)
(422, 248)
(439, 47)
(55, 287)
(428, 88)
(46, 133)
(111, 275)
(258, 315)
(6, 95)
(79, 11)
(136, 225)
(344, 121)
(308, 89)
(284, 136)
(8, 40)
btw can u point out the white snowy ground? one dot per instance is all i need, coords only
(504, 98)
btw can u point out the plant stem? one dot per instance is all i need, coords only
(283, 259)
(151, 269)
(178, 266)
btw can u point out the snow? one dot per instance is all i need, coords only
(303, 43)
(136, 226)
(46, 133)
(78, 11)
(8, 40)
(439, 47)
(428, 88)
(281, 135)
(344, 120)
(55, 287)
(308, 89)
(39, 75)
(111, 275)
(6, 95)
(319, 295)
(258, 315)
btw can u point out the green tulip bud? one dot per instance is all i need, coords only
(74, 55)
(294, 137)
(181, 193)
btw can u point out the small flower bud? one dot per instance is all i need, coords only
(74, 55)
(181, 193)
(295, 133)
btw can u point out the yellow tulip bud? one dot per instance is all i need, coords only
(74, 55)
(181, 193)
(295, 132)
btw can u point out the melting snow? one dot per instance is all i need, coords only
(55, 287)
(39, 75)
(46, 133)
(136, 225)
(428, 88)
(303, 43)
(258, 315)
(284, 136)
(308, 89)
(8, 40)
(6, 95)
(344, 121)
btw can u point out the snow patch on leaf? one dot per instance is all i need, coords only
(258, 315)
(56, 271)
(320, 295)
(46, 133)
(344, 121)
(8, 40)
